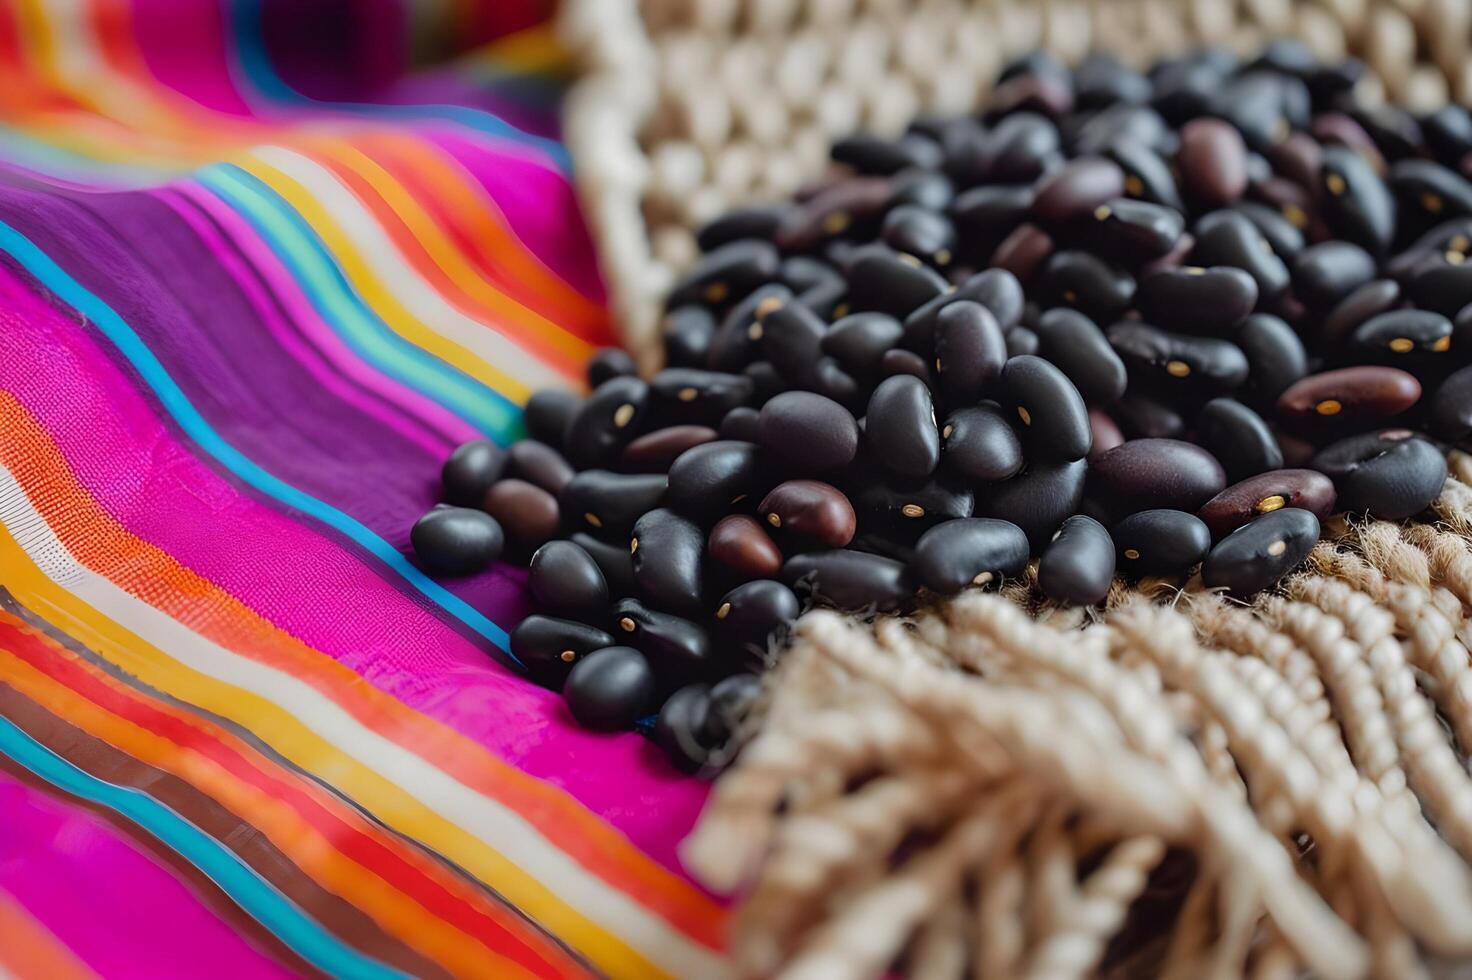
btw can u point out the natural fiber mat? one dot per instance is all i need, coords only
(1177, 784)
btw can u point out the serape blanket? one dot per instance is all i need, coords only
(263, 264)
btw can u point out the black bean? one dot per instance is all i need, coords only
(1394, 130)
(850, 580)
(1021, 340)
(1051, 94)
(790, 338)
(565, 581)
(740, 424)
(1284, 237)
(538, 463)
(1077, 566)
(1275, 358)
(1213, 162)
(766, 382)
(869, 154)
(678, 649)
(610, 689)
(1373, 298)
(996, 289)
(1401, 336)
(859, 340)
(846, 208)
(1142, 417)
(810, 431)
(690, 395)
(609, 362)
(725, 275)
(903, 511)
(1101, 79)
(610, 418)
(613, 560)
(456, 540)
(1077, 347)
(654, 451)
(682, 720)
(831, 381)
(1448, 132)
(809, 512)
(969, 551)
(668, 552)
(1238, 437)
(470, 471)
(979, 445)
(548, 411)
(1229, 238)
(1055, 420)
(1120, 124)
(1445, 288)
(528, 514)
(985, 215)
(739, 542)
(897, 362)
(927, 235)
(1086, 282)
(1159, 542)
(1152, 474)
(607, 504)
(1451, 408)
(1287, 56)
(1247, 500)
(1349, 396)
(970, 350)
(1147, 176)
(881, 279)
(731, 700)
(753, 611)
(1038, 499)
(547, 647)
(921, 188)
(1257, 555)
(1330, 84)
(801, 273)
(1392, 474)
(758, 221)
(1076, 189)
(1176, 363)
(1426, 192)
(1198, 301)
(1134, 231)
(1185, 87)
(708, 480)
(1356, 204)
(733, 346)
(1019, 149)
(1325, 273)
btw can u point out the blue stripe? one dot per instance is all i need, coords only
(255, 63)
(318, 275)
(261, 900)
(99, 314)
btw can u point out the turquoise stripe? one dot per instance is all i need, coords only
(102, 316)
(312, 266)
(257, 897)
(254, 61)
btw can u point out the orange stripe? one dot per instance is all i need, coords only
(30, 951)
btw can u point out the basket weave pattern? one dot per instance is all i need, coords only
(1177, 785)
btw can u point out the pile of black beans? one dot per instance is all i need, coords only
(1129, 324)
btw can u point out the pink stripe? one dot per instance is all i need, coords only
(187, 48)
(107, 900)
(310, 586)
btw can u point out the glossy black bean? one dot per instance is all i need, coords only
(547, 647)
(1178, 364)
(740, 424)
(845, 208)
(1021, 340)
(538, 463)
(1077, 566)
(1263, 493)
(728, 273)
(1101, 79)
(1444, 288)
(1238, 437)
(1275, 358)
(1096, 133)
(548, 411)
(1142, 417)
(456, 540)
(1325, 273)
(758, 221)
(1373, 298)
(850, 580)
(801, 273)
(654, 451)
(809, 431)
(1054, 419)
(677, 649)
(766, 382)
(607, 504)
(1284, 237)
(1076, 189)
(1402, 337)
(1426, 193)
(693, 396)
(1391, 474)
(1152, 474)
(1018, 149)
(1133, 231)
(1159, 542)
(996, 289)
(731, 700)
(903, 511)
(1191, 299)
(1287, 56)
(613, 560)
(927, 235)
(668, 551)
(1394, 130)
(1451, 408)
(733, 346)
(884, 280)
(1355, 203)
(1330, 84)
(1213, 162)
(1348, 397)
(1147, 176)
(1049, 94)
(979, 446)
(859, 340)
(1434, 248)
(970, 350)
(790, 338)
(1038, 499)
(926, 189)
(1185, 87)
(609, 362)
(1086, 282)
(678, 730)
(1077, 347)
(566, 582)
(1229, 238)
(1257, 555)
(832, 381)
(528, 514)
(610, 689)
(969, 551)
(470, 471)
(987, 214)
(610, 418)
(754, 611)
(869, 154)
(708, 480)
(806, 513)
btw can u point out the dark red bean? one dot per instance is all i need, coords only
(609, 420)
(753, 612)
(969, 551)
(1249, 499)
(1275, 358)
(808, 430)
(1077, 347)
(727, 274)
(739, 542)
(607, 504)
(850, 580)
(613, 560)
(1297, 157)
(668, 551)
(1229, 238)
(456, 540)
(1238, 437)
(1159, 542)
(881, 279)
(1038, 499)
(707, 481)
(529, 514)
(610, 362)
(1077, 566)
(860, 340)
(1106, 433)
(538, 463)
(470, 471)
(565, 581)
(682, 718)
(1076, 189)
(758, 221)
(1022, 251)
(844, 208)
(1086, 282)
(610, 689)
(547, 413)
(1193, 300)
(1151, 474)
(1325, 273)
(654, 451)
(970, 350)
(740, 424)
(1213, 162)
(1348, 397)
(809, 511)
(1355, 202)
(1451, 408)
(897, 362)
(1391, 474)
(1177, 363)
(1373, 298)
(1054, 419)
(547, 647)
(1258, 555)
(979, 446)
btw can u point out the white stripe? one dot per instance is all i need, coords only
(501, 829)
(392, 268)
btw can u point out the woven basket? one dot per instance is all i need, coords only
(1177, 785)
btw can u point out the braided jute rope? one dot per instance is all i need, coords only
(1177, 785)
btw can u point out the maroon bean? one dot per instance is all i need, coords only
(1264, 493)
(1348, 397)
(1075, 190)
(834, 211)
(1152, 474)
(529, 514)
(1213, 162)
(897, 362)
(654, 451)
(739, 542)
(809, 511)
(1106, 433)
(1023, 251)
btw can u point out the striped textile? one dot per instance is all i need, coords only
(263, 263)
